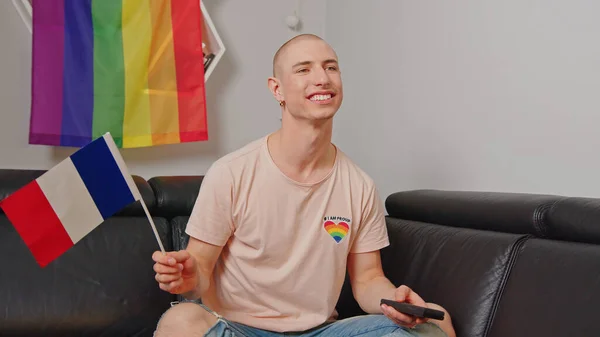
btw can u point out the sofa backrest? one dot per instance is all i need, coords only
(517, 213)
(551, 284)
(175, 195)
(104, 285)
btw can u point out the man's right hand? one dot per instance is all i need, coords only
(175, 271)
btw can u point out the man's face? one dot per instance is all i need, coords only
(311, 84)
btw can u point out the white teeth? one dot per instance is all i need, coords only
(320, 97)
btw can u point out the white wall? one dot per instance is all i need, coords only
(471, 95)
(464, 95)
(240, 107)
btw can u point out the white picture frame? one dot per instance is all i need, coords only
(213, 41)
(214, 44)
(25, 11)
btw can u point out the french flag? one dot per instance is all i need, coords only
(55, 211)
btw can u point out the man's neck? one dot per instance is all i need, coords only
(303, 151)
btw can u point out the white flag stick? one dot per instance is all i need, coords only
(152, 224)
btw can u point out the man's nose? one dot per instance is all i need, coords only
(321, 77)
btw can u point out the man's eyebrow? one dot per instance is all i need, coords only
(303, 63)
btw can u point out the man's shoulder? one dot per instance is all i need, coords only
(248, 153)
(358, 174)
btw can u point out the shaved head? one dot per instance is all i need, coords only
(286, 46)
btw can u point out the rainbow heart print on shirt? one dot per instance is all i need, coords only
(337, 230)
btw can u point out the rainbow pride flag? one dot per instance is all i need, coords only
(133, 68)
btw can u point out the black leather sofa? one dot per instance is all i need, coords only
(504, 265)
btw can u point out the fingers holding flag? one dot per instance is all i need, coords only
(173, 269)
(160, 268)
(170, 259)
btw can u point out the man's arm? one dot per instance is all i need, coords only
(370, 285)
(210, 226)
(205, 256)
(187, 272)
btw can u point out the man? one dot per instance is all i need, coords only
(277, 223)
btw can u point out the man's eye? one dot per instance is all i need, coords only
(302, 70)
(332, 68)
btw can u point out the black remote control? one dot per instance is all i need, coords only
(414, 310)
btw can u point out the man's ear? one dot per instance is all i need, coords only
(275, 88)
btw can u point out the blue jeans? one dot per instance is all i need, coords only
(359, 326)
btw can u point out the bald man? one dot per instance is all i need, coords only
(279, 221)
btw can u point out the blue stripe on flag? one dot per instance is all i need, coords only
(78, 74)
(102, 177)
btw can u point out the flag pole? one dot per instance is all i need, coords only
(152, 224)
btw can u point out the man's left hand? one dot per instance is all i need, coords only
(404, 294)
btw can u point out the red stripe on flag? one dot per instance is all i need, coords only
(36, 222)
(187, 22)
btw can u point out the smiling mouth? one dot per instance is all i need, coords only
(321, 98)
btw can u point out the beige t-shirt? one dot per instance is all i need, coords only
(285, 243)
